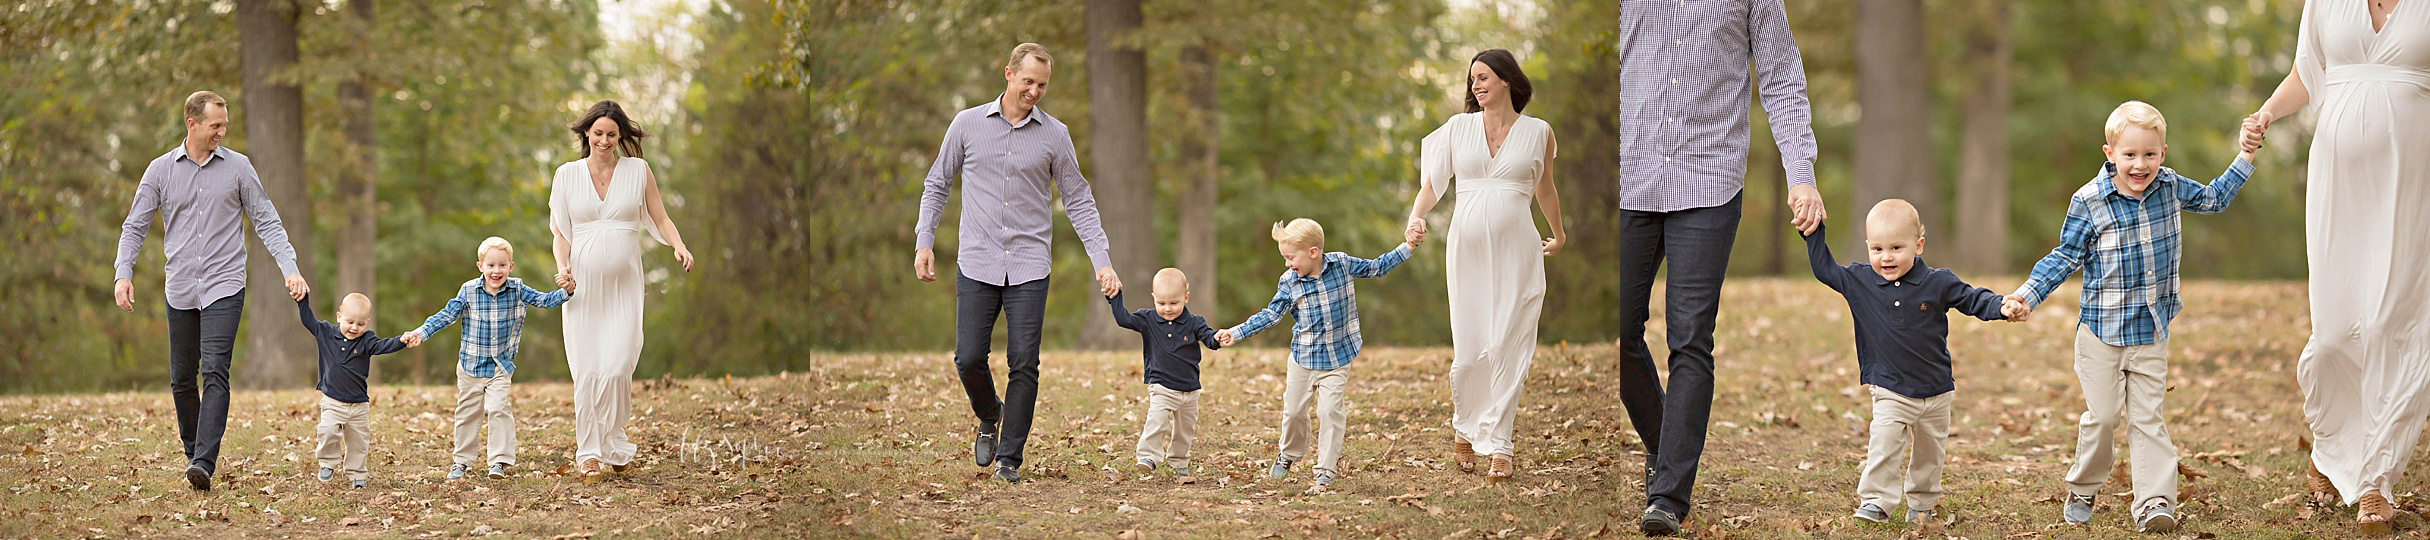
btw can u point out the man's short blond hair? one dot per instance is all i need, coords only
(2134, 114)
(199, 104)
(1301, 233)
(1029, 50)
(494, 244)
(1896, 213)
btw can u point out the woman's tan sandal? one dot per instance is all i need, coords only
(2324, 492)
(2372, 513)
(1463, 455)
(1501, 469)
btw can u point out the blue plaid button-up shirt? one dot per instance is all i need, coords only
(2128, 249)
(1325, 335)
(493, 323)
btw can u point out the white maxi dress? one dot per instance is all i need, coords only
(2367, 239)
(1495, 270)
(603, 320)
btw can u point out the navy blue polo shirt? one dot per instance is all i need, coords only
(1168, 347)
(1902, 325)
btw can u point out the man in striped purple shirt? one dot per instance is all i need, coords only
(1684, 87)
(1008, 154)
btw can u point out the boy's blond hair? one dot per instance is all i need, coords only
(1301, 233)
(494, 244)
(355, 304)
(2134, 114)
(1171, 278)
(1896, 213)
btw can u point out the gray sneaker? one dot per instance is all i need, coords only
(325, 474)
(2158, 517)
(497, 471)
(456, 472)
(1871, 513)
(358, 483)
(1146, 465)
(1324, 479)
(2079, 509)
(1918, 516)
(1281, 468)
(1182, 473)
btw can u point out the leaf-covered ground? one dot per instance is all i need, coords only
(877, 445)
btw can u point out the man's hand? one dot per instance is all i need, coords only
(1806, 208)
(1225, 338)
(923, 264)
(1108, 283)
(125, 291)
(296, 287)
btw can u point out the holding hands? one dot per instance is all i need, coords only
(2255, 128)
(1226, 337)
(2015, 309)
(412, 339)
(565, 280)
(1415, 233)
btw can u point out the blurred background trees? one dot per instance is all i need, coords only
(790, 138)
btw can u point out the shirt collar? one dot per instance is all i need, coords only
(217, 152)
(995, 107)
(1914, 276)
(1177, 319)
(511, 284)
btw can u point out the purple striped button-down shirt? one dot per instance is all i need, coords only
(1683, 99)
(202, 205)
(1007, 212)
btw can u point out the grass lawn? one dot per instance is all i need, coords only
(877, 445)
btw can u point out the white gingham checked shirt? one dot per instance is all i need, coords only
(1683, 99)
(2128, 248)
(1325, 335)
(493, 323)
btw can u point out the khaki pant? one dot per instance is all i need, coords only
(1172, 419)
(1902, 424)
(2126, 382)
(345, 433)
(1323, 389)
(480, 399)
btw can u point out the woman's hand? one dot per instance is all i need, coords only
(1553, 245)
(1415, 233)
(684, 255)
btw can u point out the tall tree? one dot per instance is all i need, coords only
(355, 183)
(277, 356)
(1124, 187)
(1894, 136)
(1195, 209)
(1980, 241)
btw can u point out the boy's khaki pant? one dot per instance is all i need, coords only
(345, 433)
(1901, 423)
(481, 399)
(1172, 419)
(2128, 382)
(1322, 388)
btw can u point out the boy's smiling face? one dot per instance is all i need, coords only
(2137, 153)
(1306, 261)
(494, 266)
(1892, 248)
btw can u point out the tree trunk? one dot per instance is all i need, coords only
(356, 182)
(1894, 135)
(277, 355)
(1981, 239)
(1196, 249)
(1122, 180)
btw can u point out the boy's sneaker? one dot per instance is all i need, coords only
(1146, 465)
(1918, 516)
(325, 474)
(1007, 474)
(983, 449)
(2079, 509)
(358, 484)
(1871, 513)
(455, 472)
(2157, 517)
(1281, 468)
(1182, 474)
(497, 471)
(201, 479)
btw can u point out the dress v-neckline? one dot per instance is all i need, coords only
(593, 177)
(2379, 27)
(1494, 153)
